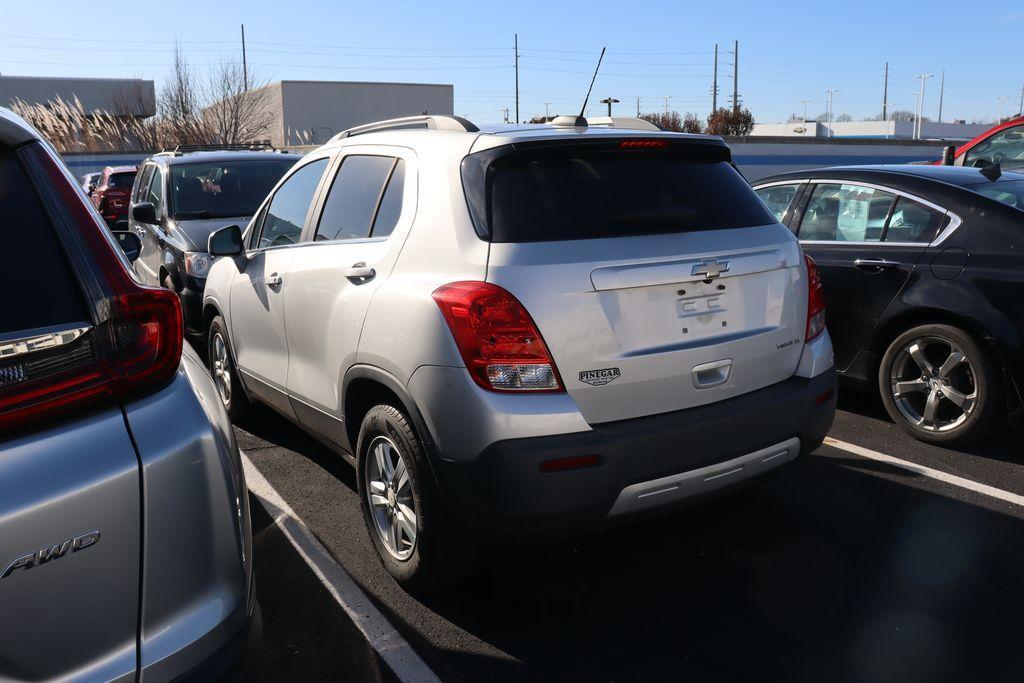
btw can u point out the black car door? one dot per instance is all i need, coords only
(865, 240)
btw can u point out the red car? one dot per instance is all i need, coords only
(1002, 144)
(112, 195)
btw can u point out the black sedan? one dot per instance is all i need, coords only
(923, 269)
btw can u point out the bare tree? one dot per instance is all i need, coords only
(237, 108)
(179, 105)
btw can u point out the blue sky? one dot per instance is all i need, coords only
(789, 51)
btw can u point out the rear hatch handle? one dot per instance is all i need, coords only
(707, 375)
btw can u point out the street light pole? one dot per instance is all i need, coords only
(920, 106)
(547, 114)
(1001, 98)
(609, 101)
(830, 92)
(804, 102)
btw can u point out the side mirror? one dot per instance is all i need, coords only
(130, 243)
(225, 242)
(144, 212)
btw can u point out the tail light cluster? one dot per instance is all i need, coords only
(135, 341)
(815, 302)
(498, 340)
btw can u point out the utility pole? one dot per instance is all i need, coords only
(942, 93)
(1001, 98)
(830, 92)
(516, 48)
(666, 98)
(245, 66)
(638, 106)
(609, 101)
(714, 84)
(1020, 107)
(885, 94)
(735, 76)
(920, 106)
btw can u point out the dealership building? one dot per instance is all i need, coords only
(882, 130)
(311, 112)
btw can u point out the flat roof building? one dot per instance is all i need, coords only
(311, 112)
(125, 97)
(892, 130)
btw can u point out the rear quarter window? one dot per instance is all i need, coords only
(590, 191)
(40, 290)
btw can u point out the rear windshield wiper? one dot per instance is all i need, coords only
(646, 219)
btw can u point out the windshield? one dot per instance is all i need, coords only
(1009, 192)
(588, 191)
(224, 189)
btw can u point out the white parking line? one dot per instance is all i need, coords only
(968, 484)
(382, 636)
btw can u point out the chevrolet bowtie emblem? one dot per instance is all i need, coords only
(710, 268)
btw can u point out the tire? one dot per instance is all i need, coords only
(939, 385)
(434, 554)
(225, 375)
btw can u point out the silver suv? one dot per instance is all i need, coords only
(125, 542)
(522, 329)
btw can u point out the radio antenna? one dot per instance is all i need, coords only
(583, 110)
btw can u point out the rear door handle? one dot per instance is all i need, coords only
(273, 280)
(871, 264)
(360, 271)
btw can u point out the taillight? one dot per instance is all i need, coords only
(498, 340)
(134, 345)
(815, 302)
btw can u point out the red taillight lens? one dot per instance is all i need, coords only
(815, 302)
(134, 345)
(498, 340)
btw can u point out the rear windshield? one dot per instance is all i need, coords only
(225, 189)
(1009, 192)
(121, 181)
(40, 290)
(573, 192)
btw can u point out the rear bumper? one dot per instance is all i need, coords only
(645, 464)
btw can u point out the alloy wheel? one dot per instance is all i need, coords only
(934, 385)
(389, 493)
(221, 368)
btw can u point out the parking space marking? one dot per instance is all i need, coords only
(382, 636)
(953, 479)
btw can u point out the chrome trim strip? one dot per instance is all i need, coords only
(41, 341)
(800, 181)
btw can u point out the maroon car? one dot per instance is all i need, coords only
(112, 195)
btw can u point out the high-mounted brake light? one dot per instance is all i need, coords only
(134, 345)
(646, 143)
(498, 340)
(815, 302)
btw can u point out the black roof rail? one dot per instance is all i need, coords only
(426, 121)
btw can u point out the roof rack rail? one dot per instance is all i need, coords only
(429, 122)
(226, 147)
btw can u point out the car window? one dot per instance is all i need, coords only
(845, 213)
(778, 198)
(354, 196)
(31, 254)
(121, 181)
(156, 192)
(143, 187)
(1005, 148)
(224, 189)
(594, 190)
(913, 222)
(1009, 192)
(287, 211)
(390, 209)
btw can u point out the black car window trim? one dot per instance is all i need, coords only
(356, 152)
(953, 221)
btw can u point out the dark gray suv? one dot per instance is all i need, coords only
(125, 541)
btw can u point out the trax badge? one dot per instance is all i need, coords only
(54, 552)
(597, 378)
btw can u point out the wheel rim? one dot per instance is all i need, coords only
(389, 493)
(221, 369)
(933, 384)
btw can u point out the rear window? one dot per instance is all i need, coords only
(588, 191)
(226, 189)
(121, 181)
(1009, 192)
(33, 270)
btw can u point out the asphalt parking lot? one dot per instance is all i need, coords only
(839, 568)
